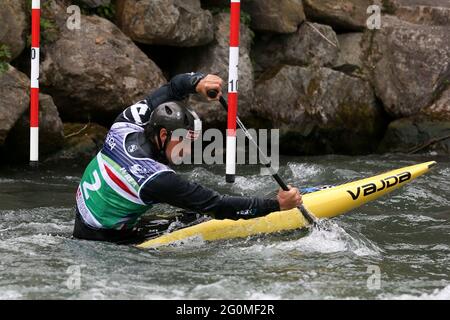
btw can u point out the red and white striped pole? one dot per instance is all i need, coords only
(233, 81)
(34, 104)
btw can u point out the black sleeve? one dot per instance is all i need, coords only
(170, 188)
(178, 88)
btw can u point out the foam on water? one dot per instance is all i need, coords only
(29, 244)
(7, 294)
(440, 247)
(304, 171)
(334, 239)
(330, 240)
(437, 294)
(39, 227)
(201, 173)
(347, 174)
(414, 193)
(253, 185)
(419, 218)
(70, 178)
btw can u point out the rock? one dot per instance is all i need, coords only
(214, 59)
(351, 51)
(350, 15)
(427, 12)
(216, 3)
(305, 47)
(82, 142)
(429, 3)
(427, 131)
(280, 16)
(166, 22)
(14, 25)
(417, 135)
(440, 109)
(14, 101)
(95, 72)
(96, 3)
(51, 135)
(319, 110)
(406, 61)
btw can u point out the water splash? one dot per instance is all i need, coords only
(304, 172)
(331, 239)
(437, 294)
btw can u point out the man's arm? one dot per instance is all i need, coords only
(168, 187)
(178, 88)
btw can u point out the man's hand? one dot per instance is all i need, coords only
(210, 82)
(289, 199)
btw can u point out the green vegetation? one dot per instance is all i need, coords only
(107, 12)
(388, 7)
(5, 55)
(246, 19)
(49, 29)
(217, 10)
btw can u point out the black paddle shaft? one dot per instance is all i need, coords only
(306, 213)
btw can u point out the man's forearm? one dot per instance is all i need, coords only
(170, 188)
(177, 89)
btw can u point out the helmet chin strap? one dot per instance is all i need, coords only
(163, 146)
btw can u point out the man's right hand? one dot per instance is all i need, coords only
(210, 82)
(289, 199)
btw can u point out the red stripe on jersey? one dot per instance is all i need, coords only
(118, 181)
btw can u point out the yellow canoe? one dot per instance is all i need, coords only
(326, 203)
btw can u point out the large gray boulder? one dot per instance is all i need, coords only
(280, 16)
(14, 99)
(96, 3)
(340, 14)
(417, 135)
(302, 48)
(214, 59)
(440, 108)
(319, 110)
(350, 49)
(51, 131)
(407, 62)
(82, 142)
(13, 27)
(96, 71)
(427, 12)
(427, 131)
(165, 22)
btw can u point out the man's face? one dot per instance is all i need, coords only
(177, 148)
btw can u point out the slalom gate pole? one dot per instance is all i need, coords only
(34, 99)
(233, 80)
(309, 216)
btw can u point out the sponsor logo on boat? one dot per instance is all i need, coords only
(386, 183)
